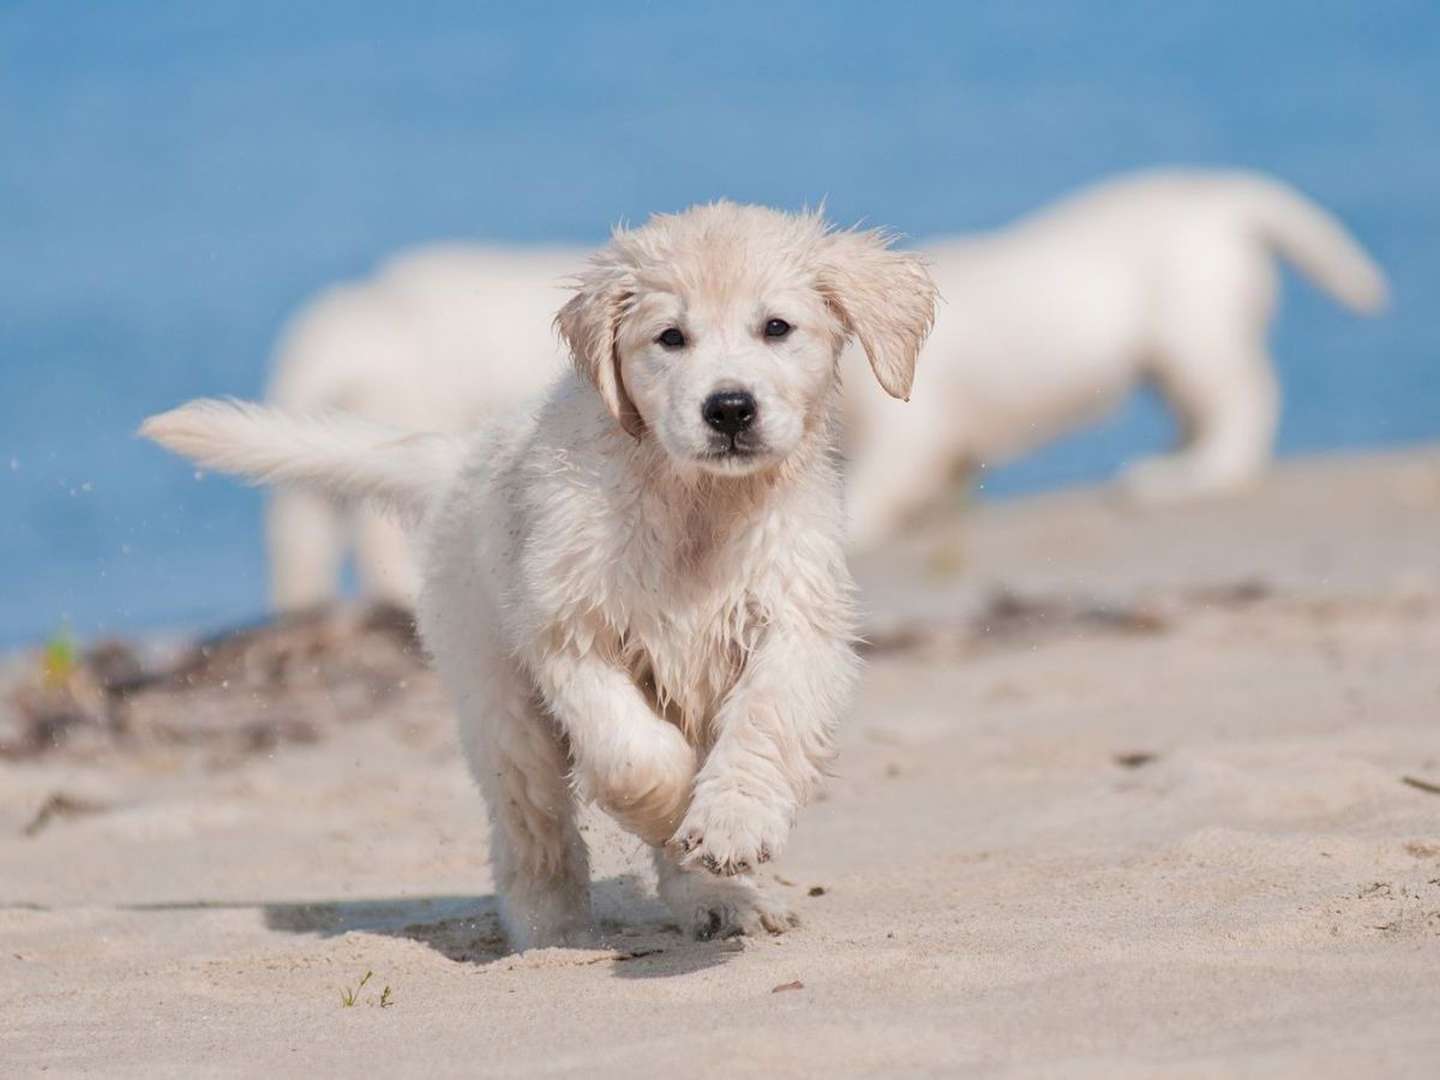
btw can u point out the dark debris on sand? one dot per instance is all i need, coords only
(1009, 619)
(243, 691)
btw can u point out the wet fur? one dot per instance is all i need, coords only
(619, 615)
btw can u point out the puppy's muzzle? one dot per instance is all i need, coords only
(730, 412)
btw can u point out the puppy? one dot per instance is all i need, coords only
(1168, 277)
(639, 596)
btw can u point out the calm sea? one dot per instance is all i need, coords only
(175, 178)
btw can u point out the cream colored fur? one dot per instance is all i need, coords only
(625, 604)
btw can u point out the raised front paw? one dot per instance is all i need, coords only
(644, 784)
(729, 831)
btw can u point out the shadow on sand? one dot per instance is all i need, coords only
(466, 929)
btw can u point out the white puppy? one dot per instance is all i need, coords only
(1165, 276)
(640, 595)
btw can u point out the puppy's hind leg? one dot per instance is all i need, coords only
(1229, 405)
(306, 538)
(1211, 321)
(384, 560)
(904, 462)
(542, 872)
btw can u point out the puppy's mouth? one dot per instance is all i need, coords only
(739, 446)
(734, 452)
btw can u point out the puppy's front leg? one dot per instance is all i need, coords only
(636, 766)
(776, 734)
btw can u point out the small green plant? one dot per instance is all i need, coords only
(349, 997)
(59, 659)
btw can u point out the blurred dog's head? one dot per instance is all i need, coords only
(717, 331)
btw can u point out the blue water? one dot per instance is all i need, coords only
(176, 177)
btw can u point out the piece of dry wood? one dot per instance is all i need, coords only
(1421, 785)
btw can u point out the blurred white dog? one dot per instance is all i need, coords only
(640, 591)
(437, 340)
(1164, 276)
(1168, 276)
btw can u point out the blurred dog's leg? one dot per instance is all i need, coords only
(904, 463)
(383, 560)
(306, 539)
(1228, 402)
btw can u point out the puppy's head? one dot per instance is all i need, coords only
(716, 331)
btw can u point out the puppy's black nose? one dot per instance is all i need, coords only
(729, 411)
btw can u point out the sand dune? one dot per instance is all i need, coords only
(1159, 809)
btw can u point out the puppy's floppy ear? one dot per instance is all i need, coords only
(884, 297)
(588, 323)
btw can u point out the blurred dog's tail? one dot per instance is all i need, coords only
(336, 455)
(1315, 242)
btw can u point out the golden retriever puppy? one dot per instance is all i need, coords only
(638, 595)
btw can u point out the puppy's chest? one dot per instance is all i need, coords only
(682, 619)
(686, 639)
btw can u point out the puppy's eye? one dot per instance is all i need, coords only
(777, 328)
(671, 338)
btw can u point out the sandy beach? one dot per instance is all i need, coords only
(1124, 794)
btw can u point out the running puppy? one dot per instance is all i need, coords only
(639, 596)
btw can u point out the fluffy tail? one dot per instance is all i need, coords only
(336, 455)
(1316, 243)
